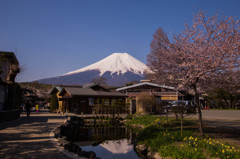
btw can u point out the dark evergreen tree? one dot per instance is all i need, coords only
(53, 103)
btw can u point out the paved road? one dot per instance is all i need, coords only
(221, 118)
(220, 114)
(223, 123)
(28, 137)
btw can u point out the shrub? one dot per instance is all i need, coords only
(145, 103)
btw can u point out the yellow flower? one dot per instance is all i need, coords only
(216, 153)
(195, 149)
(217, 142)
(196, 139)
(233, 148)
(210, 139)
(210, 142)
(204, 139)
(227, 156)
(223, 151)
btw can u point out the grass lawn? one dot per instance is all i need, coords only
(169, 141)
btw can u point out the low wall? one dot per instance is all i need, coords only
(8, 115)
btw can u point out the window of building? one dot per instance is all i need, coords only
(91, 101)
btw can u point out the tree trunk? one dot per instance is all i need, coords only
(200, 124)
(167, 116)
(226, 103)
(231, 103)
(182, 121)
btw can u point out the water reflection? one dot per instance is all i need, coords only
(112, 149)
(107, 142)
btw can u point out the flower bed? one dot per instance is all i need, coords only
(169, 141)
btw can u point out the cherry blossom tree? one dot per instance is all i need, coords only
(201, 53)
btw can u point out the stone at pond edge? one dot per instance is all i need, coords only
(57, 133)
(153, 155)
(89, 154)
(142, 149)
(66, 129)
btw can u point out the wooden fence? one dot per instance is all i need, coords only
(109, 110)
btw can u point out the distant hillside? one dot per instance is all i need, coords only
(40, 89)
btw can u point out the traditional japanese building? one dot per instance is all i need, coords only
(89, 99)
(161, 93)
(10, 96)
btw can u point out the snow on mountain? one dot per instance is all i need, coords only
(118, 69)
(119, 63)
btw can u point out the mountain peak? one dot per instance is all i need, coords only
(119, 63)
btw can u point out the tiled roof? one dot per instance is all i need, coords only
(80, 91)
(74, 91)
(103, 93)
(89, 85)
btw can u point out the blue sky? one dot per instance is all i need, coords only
(53, 37)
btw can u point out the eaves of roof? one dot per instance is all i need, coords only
(145, 83)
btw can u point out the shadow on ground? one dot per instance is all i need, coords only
(28, 137)
(223, 128)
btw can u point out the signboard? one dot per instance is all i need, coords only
(169, 98)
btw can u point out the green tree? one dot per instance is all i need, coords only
(222, 98)
(54, 103)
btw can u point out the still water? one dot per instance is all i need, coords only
(108, 142)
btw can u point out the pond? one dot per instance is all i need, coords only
(108, 142)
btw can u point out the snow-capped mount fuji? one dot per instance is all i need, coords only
(118, 69)
(119, 63)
